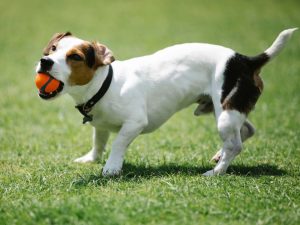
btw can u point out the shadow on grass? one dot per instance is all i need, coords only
(138, 173)
(256, 171)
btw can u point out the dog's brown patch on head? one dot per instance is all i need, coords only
(81, 60)
(85, 59)
(51, 46)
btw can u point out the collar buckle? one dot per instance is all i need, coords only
(87, 118)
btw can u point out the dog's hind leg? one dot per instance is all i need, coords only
(246, 131)
(229, 127)
(100, 138)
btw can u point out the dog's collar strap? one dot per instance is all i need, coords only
(85, 108)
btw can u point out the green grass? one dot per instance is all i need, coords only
(161, 181)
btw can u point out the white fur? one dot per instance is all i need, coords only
(146, 91)
(280, 42)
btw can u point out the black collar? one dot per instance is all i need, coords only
(85, 108)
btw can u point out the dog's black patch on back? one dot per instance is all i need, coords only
(242, 85)
(90, 56)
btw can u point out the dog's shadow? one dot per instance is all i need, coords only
(137, 173)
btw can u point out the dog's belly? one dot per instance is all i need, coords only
(159, 111)
(113, 122)
(156, 120)
(111, 119)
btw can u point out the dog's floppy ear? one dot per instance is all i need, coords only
(103, 55)
(53, 41)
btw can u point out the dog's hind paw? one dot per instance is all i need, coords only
(209, 173)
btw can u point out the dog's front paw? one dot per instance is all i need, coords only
(113, 167)
(87, 158)
(111, 170)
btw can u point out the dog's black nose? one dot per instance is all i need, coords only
(46, 63)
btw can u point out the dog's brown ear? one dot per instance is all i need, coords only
(103, 55)
(53, 41)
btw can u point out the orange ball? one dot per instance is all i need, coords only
(45, 83)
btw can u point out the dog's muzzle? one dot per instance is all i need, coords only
(46, 64)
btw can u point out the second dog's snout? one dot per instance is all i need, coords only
(46, 63)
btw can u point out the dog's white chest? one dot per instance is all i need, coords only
(106, 116)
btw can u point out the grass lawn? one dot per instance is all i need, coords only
(161, 181)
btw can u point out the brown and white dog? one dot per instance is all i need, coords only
(138, 95)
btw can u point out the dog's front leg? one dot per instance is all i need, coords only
(100, 138)
(229, 126)
(129, 131)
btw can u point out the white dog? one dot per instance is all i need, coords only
(138, 95)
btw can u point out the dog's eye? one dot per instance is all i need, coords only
(75, 57)
(53, 48)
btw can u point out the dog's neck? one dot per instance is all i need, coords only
(82, 94)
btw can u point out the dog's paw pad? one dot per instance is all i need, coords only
(216, 158)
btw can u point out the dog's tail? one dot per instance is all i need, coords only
(279, 43)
